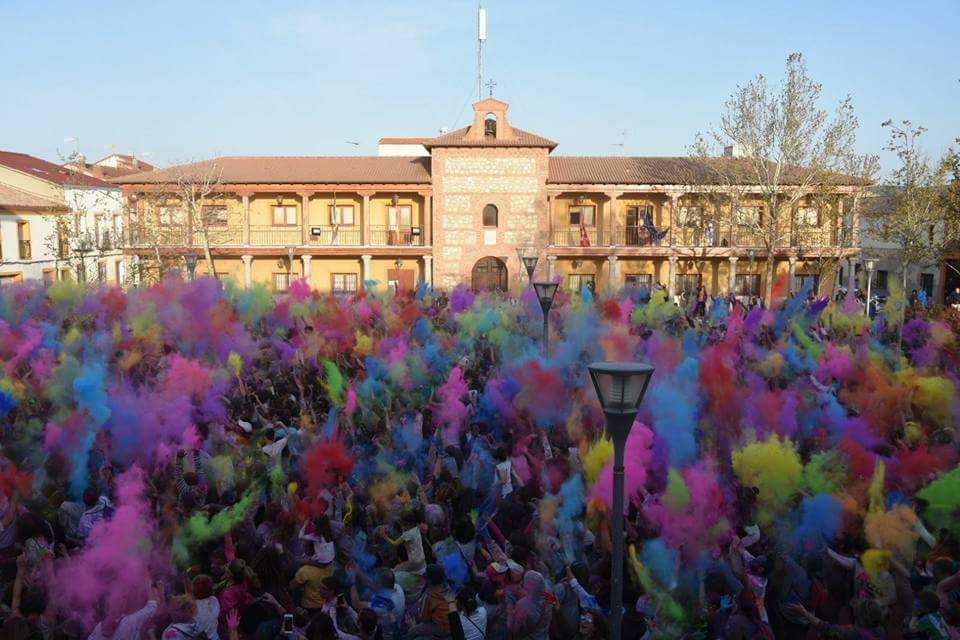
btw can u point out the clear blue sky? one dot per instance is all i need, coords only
(187, 80)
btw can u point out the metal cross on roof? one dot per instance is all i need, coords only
(490, 85)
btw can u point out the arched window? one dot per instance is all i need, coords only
(490, 125)
(490, 214)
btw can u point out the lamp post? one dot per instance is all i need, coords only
(545, 293)
(620, 387)
(530, 264)
(870, 267)
(191, 261)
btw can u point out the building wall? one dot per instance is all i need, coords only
(42, 258)
(465, 180)
(30, 184)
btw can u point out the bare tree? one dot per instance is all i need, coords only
(182, 213)
(915, 218)
(787, 148)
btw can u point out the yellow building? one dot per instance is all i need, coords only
(460, 210)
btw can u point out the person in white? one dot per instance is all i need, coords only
(126, 627)
(473, 615)
(208, 607)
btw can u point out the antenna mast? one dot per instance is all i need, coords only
(481, 38)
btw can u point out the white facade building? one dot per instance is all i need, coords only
(56, 223)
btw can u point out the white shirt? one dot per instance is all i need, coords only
(505, 477)
(414, 544)
(208, 613)
(129, 626)
(474, 625)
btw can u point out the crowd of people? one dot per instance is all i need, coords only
(192, 462)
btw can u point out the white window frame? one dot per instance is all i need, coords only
(288, 213)
(690, 216)
(808, 216)
(749, 215)
(400, 216)
(342, 215)
(586, 213)
(345, 279)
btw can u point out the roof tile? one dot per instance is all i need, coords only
(47, 170)
(458, 139)
(297, 170)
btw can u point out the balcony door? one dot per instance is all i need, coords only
(634, 227)
(401, 279)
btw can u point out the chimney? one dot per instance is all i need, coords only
(737, 150)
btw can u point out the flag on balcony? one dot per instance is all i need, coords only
(655, 236)
(584, 238)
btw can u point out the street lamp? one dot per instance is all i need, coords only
(83, 247)
(870, 266)
(545, 293)
(530, 264)
(620, 388)
(191, 261)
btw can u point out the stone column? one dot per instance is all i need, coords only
(428, 270)
(732, 279)
(672, 278)
(612, 274)
(551, 267)
(118, 270)
(674, 212)
(365, 219)
(599, 226)
(792, 273)
(551, 199)
(851, 276)
(365, 258)
(426, 220)
(612, 213)
(247, 270)
(245, 197)
(305, 217)
(855, 224)
(306, 267)
(136, 271)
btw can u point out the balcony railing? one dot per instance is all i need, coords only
(635, 237)
(219, 236)
(274, 236)
(816, 238)
(26, 251)
(334, 236)
(574, 237)
(396, 236)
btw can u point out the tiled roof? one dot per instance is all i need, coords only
(404, 140)
(13, 198)
(654, 170)
(458, 139)
(47, 170)
(299, 170)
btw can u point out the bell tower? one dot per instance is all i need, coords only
(490, 122)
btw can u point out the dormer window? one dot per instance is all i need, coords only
(490, 125)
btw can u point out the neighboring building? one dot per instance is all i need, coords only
(403, 147)
(933, 277)
(25, 218)
(79, 230)
(113, 166)
(458, 210)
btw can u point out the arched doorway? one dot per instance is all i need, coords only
(489, 274)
